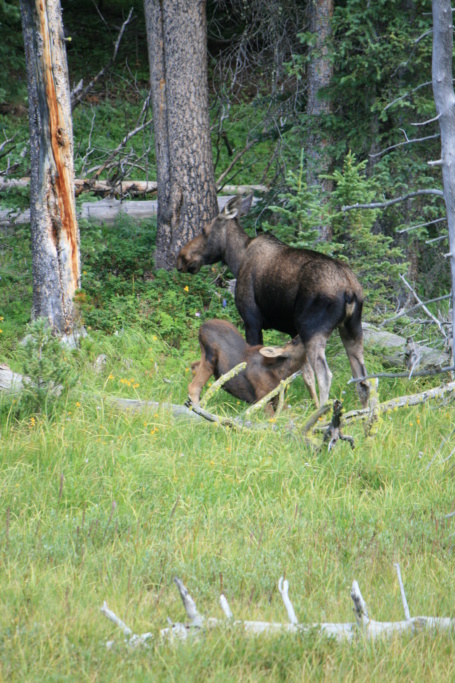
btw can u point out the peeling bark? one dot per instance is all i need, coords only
(176, 33)
(55, 234)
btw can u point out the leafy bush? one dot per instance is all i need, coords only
(48, 372)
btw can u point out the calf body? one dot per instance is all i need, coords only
(297, 291)
(223, 347)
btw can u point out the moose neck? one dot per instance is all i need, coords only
(236, 243)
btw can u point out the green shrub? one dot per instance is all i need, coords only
(48, 371)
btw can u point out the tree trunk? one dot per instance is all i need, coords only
(55, 234)
(444, 98)
(320, 71)
(176, 33)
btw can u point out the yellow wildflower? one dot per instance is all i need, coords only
(111, 377)
(186, 289)
(78, 404)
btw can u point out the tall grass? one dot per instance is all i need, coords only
(99, 504)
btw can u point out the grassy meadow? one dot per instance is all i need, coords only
(102, 504)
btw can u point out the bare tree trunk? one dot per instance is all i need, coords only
(320, 71)
(444, 98)
(55, 234)
(176, 33)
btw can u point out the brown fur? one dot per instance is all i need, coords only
(297, 291)
(223, 347)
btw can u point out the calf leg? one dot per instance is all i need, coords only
(203, 371)
(352, 338)
(315, 351)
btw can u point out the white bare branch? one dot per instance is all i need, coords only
(406, 142)
(195, 618)
(422, 225)
(283, 587)
(424, 308)
(390, 202)
(425, 123)
(407, 613)
(225, 607)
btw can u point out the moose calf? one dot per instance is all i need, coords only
(223, 347)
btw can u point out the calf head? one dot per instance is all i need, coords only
(293, 351)
(210, 246)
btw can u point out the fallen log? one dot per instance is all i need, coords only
(363, 625)
(136, 187)
(392, 348)
(103, 211)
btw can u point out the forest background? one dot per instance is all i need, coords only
(101, 505)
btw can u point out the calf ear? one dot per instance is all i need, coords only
(271, 351)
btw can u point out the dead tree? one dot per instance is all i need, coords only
(444, 98)
(54, 229)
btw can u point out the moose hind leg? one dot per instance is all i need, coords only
(308, 378)
(352, 339)
(315, 350)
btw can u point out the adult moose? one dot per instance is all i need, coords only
(296, 291)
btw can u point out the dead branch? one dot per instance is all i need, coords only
(119, 147)
(340, 631)
(333, 431)
(424, 308)
(421, 225)
(425, 123)
(396, 403)
(407, 613)
(390, 202)
(77, 98)
(220, 382)
(393, 375)
(315, 417)
(405, 142)
(437, 239)
(4, 144)
(422, 85)
(414, 308)
(239, 155)
(280, 389)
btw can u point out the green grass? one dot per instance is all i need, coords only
(100, 504)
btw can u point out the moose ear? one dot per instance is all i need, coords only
(271, 351)
(246, 204)
(232, 208)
